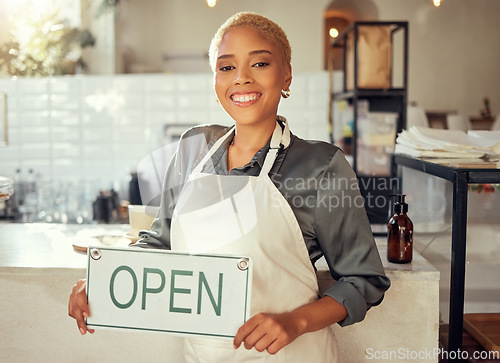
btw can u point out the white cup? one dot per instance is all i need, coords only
(140, 218)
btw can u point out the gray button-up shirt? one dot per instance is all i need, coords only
(322, 190)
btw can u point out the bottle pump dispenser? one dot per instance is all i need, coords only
(400, 233)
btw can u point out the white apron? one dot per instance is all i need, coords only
(245, 215)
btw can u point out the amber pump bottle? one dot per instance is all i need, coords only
(400, 233)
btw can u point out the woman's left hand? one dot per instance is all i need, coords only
(272, 332)
(269, 332)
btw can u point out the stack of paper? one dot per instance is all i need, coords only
(427, 142)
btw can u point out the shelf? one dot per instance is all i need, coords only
(396, 25)
(372, 92)
(392, 98)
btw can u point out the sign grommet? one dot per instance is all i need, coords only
(243, 264)
(95, 253)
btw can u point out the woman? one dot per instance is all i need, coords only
(255, 189)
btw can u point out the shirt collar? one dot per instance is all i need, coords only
(219, 158)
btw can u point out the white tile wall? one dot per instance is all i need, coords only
(97, 128)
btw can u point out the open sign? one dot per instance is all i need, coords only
(157, 290)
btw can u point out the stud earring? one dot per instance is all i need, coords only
(285, 93)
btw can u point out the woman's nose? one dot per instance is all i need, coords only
(243, 77)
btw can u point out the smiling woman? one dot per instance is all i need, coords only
(249, 77)
(282, 226)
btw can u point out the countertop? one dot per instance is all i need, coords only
(38, 268)
(50, 245)
(47, 245)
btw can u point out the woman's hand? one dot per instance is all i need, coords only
(272, 332)
(269, 332)
(78, 307)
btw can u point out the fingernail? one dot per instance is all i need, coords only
(82, 331)
(85, 315)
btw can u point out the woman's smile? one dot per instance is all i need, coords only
(245, 99)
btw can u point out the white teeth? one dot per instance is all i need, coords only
(245, 98)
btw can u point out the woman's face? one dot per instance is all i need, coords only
(249, 76)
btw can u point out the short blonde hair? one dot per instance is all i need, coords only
(269, 29)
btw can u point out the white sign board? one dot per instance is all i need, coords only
(158, 290)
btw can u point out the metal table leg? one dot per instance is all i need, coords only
(458, 256)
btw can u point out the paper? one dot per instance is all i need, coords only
(427, 142)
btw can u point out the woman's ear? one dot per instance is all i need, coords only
(287, 79)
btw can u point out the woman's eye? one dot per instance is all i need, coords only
(261, 64)
(226, 68)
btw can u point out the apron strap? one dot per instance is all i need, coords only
(268, 162)
(279, 137)
(273, 149)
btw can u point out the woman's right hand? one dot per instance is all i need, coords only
(78, 307)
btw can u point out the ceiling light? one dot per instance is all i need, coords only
(211, 3)
(334, 33)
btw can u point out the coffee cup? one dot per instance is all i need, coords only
(140, 218)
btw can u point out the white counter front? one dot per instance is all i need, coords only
(38, 267)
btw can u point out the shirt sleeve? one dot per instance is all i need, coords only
(159, 234)
(192, 146)
(345, 238)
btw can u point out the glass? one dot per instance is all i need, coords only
(6, 188)
(65, 202)
(3, 120)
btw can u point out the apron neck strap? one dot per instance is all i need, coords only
(279, 137)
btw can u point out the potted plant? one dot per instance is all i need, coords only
(44, 46)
